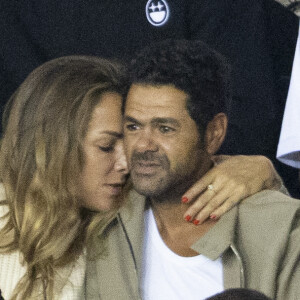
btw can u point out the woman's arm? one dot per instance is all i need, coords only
(232, 179)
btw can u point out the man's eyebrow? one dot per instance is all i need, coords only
(170, 121)
(131, 119)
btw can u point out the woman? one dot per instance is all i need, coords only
(63, 170)
(61, 153)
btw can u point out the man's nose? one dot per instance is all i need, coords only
(146, 142)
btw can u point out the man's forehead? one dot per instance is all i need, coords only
(155, 99)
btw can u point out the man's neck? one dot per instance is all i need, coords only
(178, 234)
(167, 206)
(169, 214)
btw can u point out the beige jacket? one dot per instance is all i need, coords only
(259, 242)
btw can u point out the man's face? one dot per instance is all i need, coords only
(162, 143)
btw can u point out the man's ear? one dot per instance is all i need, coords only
(215, 133)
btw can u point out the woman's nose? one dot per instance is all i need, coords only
(121, 161)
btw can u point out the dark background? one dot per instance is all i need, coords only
(257, 36)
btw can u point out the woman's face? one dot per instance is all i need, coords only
(105, 167)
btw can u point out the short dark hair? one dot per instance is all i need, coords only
(191, 66)
(239, 294)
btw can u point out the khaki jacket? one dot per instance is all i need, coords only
(259, 241)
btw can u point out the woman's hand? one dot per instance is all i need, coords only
(232, 179)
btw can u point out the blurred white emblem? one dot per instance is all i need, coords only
(157, 12)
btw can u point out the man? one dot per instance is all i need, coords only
(258, 37)
(174, 121)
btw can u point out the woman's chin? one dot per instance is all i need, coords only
(106, 204)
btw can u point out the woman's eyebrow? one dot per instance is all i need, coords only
(113, 133)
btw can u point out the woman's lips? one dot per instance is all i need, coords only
(115, 188)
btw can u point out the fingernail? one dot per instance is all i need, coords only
(196, 222)
(213, 217)
(188, 218)
(184, 199)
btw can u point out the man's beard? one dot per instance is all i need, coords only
(163, 185)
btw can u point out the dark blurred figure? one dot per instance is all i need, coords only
(239, 294)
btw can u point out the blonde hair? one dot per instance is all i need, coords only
(41, 156)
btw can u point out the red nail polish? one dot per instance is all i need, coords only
(196, 222)
(213, 217)
(184, 199)
(188, 218)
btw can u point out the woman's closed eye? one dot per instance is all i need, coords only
(106, 148)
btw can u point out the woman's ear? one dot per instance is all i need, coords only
(215, 133)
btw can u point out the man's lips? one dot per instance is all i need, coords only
(145, 167)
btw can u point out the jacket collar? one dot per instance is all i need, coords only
(212, 244)
(131, 216)
(217, 242)
(219, 238)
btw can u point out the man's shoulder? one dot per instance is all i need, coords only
(270, 211)
(269, 199)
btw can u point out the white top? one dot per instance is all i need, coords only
(166, 275)
(11, 270)
(288, 150)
